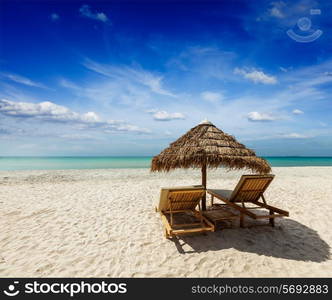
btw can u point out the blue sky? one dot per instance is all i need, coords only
(129, 77)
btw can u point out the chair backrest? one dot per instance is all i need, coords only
(251, 187)
(181, 197)
(185, 200)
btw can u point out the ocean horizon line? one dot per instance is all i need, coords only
(16, 163)
(145, 156)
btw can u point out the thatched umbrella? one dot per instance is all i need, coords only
(207, 146)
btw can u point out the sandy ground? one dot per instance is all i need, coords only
(100, 223)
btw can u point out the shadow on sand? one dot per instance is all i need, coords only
(289, 239)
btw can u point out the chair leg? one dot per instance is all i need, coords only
(241, 220)
(271, 220)
(171, 213)
(212, 198)
(167, 236)
(200, 214)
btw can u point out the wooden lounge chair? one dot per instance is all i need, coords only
(180, 203)
(249, 190)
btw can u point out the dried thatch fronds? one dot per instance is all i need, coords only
(207, 145)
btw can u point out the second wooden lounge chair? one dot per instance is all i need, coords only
(249, 190)
(182, 200)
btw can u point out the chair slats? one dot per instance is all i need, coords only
(251, 187)
(184, 201)
(249, 190)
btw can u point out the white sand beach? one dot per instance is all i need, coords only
(102, 223)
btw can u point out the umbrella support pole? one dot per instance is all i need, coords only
(204, 184)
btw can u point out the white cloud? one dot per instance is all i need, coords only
(310, 77)
(91, 117)
(68, 84)
(151, 111)
(204, 62)
(22, 80)
(51, 112)
(165, 116)
(277, 9)
(134, 75)
(256, 76)
(269, 136)
(54, 17)
(4, 131)
(161, 115)
(294, 136)
(297, 112)
(286, 14)
(285, 70)
(154, 83)
(77, 136)
(130, 128)
(260, 117)
(213, 97)
(110, 93)
(42, 110)
(86, 12)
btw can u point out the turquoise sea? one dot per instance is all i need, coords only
(59, 163)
